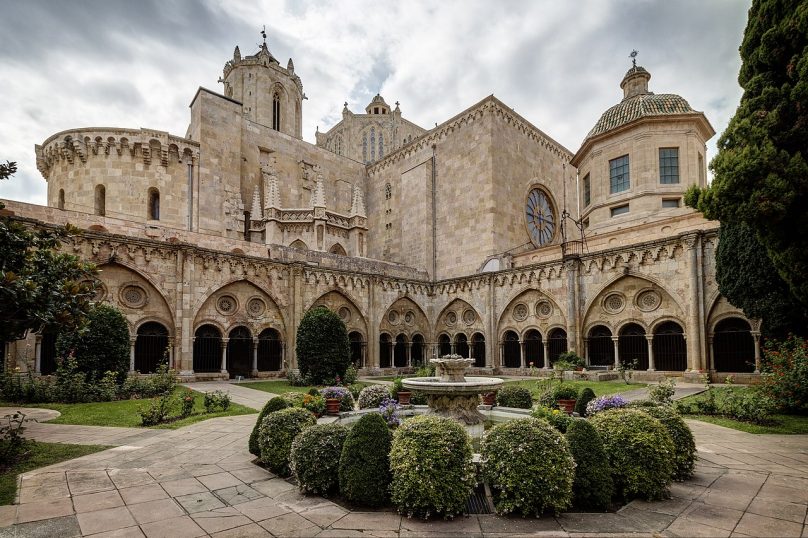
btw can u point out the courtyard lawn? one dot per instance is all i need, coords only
(125, 413)
(40, 455)
(601, 388)
(280, 386)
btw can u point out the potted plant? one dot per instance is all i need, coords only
(332, 406)
(337, 399)
(399, 393)
(565, 396)
(490, 398)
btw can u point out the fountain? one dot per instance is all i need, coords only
(453, 395)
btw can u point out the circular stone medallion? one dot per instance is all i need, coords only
(393, 317)
(226, 305)
(614, 303)
(469, 317)
(544, 309)
(344, 314)
(520, 312)
(133, 296)
(648, 300)
(256, 307)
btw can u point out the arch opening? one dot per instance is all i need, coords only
(417, 351)
(556, 344)
(599, 346)
(400, 351)
(670, 350)
(511, 350)
(358, 348)
(385, 351)
(239, 352)
(733, 346)
(270, 351)
(534, 349)
(207, 349)
(633, 347)
(151, 346)
(444, 345)
(478, 349)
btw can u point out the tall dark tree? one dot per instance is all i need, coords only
(323, 349)
(761, 171)
(39, 286)
(100, 345)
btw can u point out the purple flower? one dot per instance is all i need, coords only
(603, 403)
(334, 392)
(389, 411)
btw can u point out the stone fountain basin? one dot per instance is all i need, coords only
(472, 385)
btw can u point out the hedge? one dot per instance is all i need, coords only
(275, 404)
(593, 486)
(364, 465)
(277, 433)
(315, 455)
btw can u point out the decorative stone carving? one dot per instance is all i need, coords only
(648, 300)
(133, 296)
(409, 317)
(451, 318)
(256, 307)
(520, 312)
(226, 305)
(469, 317)
(544, 309)
(393, 317)
(614, 303)
(344, 314)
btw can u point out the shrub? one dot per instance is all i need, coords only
(564, 391)
(355, 389)
(293, 399)
(398, 385)
(529, 465)
(749, 405)
(314, 404)
(12, 441)
(101, 344)
(593, 485)
(274, 404)
(216, 400)
(372, 396)
(157, 411)
(569, 361)
(187, 400)
(164, 380)
(364, 465)
(427, 370)
(71, 383)
(785, 374)
(346, 401)
(558, 419)
(295, 379)
(684, 446)
(314, 458)
(106, 388)
(276, 434)
(431, 467)
(663, 392)
(586, 396)
(137, 386)
(418, 398)
(351, 375)
(639, 450)
(323, 349)
(603, 403)
(514, 396)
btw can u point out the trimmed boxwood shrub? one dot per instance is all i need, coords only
(640, 452)
(593, 485)
(514, 396)
(364, 465)
(586, 396)
(530, 467)
(277, 433)
(100, 345)
(558, 419)
(430, 461)
(275, 404)
(684, 446)
(315, 455)
(323, 349)
(372, 396)
(294, 399)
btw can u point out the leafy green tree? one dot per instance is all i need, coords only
(760, 171)
(100, 345)
(39, 286)
(323, 348)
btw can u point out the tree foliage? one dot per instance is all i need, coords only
(39, 286)
(323, 348)
(100, 345)
(760, 171)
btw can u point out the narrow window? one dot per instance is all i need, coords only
(670, 202)
(276, 111)
(587, 191)
(154, 204)
(100, 200)
(61, 202)
(372, 143)
(388, 192)
(669, 165)
(618, 174)
(619, 210)
(375, 110)
(381, 145)
(365, 147)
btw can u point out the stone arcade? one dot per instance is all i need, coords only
(424, 241)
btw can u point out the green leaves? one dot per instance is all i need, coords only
(323, 348)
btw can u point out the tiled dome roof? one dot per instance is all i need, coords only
(640, 106)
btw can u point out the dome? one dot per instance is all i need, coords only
(377, 105)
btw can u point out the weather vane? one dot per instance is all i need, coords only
(264, 33)
(633, 57)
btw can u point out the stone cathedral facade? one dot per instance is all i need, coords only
(482, 236)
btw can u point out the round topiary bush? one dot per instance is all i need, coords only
(100, 345)
(277, 433)
(586, 396)
(315, 455)
(293, 399)
(323, 348)
(514, 396)
(593, 485)
(364, 465)
(275, 404)
(640, 452)
(684, 456)
(529, 465)
(430, 461)
(372, 396)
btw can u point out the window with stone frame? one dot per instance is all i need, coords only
(669, 165)
(154, 204)
(372, 143)
(276, 111)
(381, 145)
(587, 191)
(618, 175)
(365, 147)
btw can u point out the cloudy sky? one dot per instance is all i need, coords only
(123, 63)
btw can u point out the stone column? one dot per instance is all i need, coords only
(522, 353)
(756, 336)
(711, 365)
(132, 340)
(501, 354)
(255, 357)
(694, 358)
(491, 338)
(409, 354)
(171, 353)
(224, 355)
(546, 345)
(37, 354)
(651, 366)
(615, 340)
(283, 355)
(586, 350)
(571, 267)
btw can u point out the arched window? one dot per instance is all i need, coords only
(388, 191)
(372, 144)
(365, 147)
(276, 111)
(478, 350)
(444, 345)
(400, 352)
(670, 351)
(61, 202)
(417, 351)
(270, 351)
(338, 249)
(207, 349)
(385, 351)
(556, 344)
(600, 348)
(154, 204)
(239, 352)
(534, 349)
(100, 200)
(633, 346)
(299, 245)
(150, 347)
(733, 346)
(511, 350)
(357, 348)
(381, 145)
(461, 345)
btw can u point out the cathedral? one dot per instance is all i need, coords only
(481, 236)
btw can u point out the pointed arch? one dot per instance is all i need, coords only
(247, 304)
(337, 249)
(120, 280)
(298, 244)
(459, 316)
(406, 316)
(346, 306)
(528, 308)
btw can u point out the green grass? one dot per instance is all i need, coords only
(601, 388)
(40, 455)
(126, 413)
(280, 386)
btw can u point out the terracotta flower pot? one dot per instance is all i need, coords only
(490, 398)
(568, 406)
(404, 397)
(332, 406)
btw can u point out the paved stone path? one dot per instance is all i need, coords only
(199, 480)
